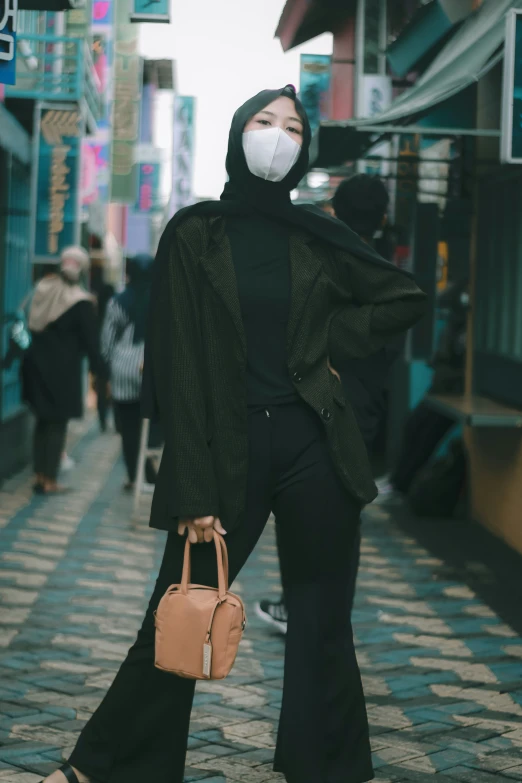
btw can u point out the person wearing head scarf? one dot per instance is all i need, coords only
(122, 343)
(361, 202)
(251, 296)
(62, 322)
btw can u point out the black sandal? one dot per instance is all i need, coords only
(69, 773)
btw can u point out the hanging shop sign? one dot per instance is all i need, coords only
(374, 95)
(102, 12)
(314, 88)
(57, 182)
(126, 107)
(151, 11)
(78, 20)
(511, 138)
(406, 195)
(96, 177)
(183, 153)
(149, 175)
(8, 17)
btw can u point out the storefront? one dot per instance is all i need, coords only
(15, 281)
(458, 98)
(445, 129)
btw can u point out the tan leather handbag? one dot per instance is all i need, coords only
(198, 628)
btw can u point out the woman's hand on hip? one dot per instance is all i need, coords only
(200, 529)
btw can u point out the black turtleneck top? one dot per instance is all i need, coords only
(261, 255)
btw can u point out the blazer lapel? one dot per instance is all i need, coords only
(219, 268)
(305, 267)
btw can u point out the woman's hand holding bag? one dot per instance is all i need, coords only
(200, 529)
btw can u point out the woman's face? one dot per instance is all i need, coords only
(281, 113)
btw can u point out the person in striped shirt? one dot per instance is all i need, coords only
(122, 345)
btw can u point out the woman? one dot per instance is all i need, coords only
(123, 340)
(62, 321)
(251, 295)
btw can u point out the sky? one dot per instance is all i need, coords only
(225, 52)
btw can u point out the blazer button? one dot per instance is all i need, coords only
(297, 378)
(325, 413)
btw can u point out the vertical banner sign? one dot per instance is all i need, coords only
(314, 88)
(406, 194)
(103, 13)
(77, 25)
(511, 140)
(78, 20)
(183, 153)
(148, 188)
(151, 11)
(374, 96)
(126, 106)
(58, 182)
(8, 17)
(96, 177)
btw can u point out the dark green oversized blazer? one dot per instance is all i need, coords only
(196, 359)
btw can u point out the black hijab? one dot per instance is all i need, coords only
(244, 192)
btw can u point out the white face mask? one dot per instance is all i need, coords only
(270, 154)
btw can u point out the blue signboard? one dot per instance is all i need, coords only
(314, 90)
(183, 153)
(58, 183)
(8, 16)
(148, 188)
(511, 141)
(151, 11)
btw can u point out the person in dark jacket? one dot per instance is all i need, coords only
(251, 295)
(62, 322)
(122, 343)
(425, 428)
(361, 202)
(104, 293)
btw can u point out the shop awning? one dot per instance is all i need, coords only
(426, 32)
(469, 55)
(334, 144)
(302, 20)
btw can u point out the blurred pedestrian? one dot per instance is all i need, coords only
(62, 322)
(361, 202)
(251, 295)
(123, 341)
(425, 427)
(104, 292)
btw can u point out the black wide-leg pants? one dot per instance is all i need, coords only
(139, 733)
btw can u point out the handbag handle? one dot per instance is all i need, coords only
(222, 566)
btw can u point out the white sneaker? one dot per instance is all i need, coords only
(274, 613)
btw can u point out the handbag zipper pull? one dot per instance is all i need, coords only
(207, 657)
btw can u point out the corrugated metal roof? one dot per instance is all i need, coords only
(470, 54)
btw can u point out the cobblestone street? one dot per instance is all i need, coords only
(442, 671)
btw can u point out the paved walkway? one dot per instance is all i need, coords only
(442, 672)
